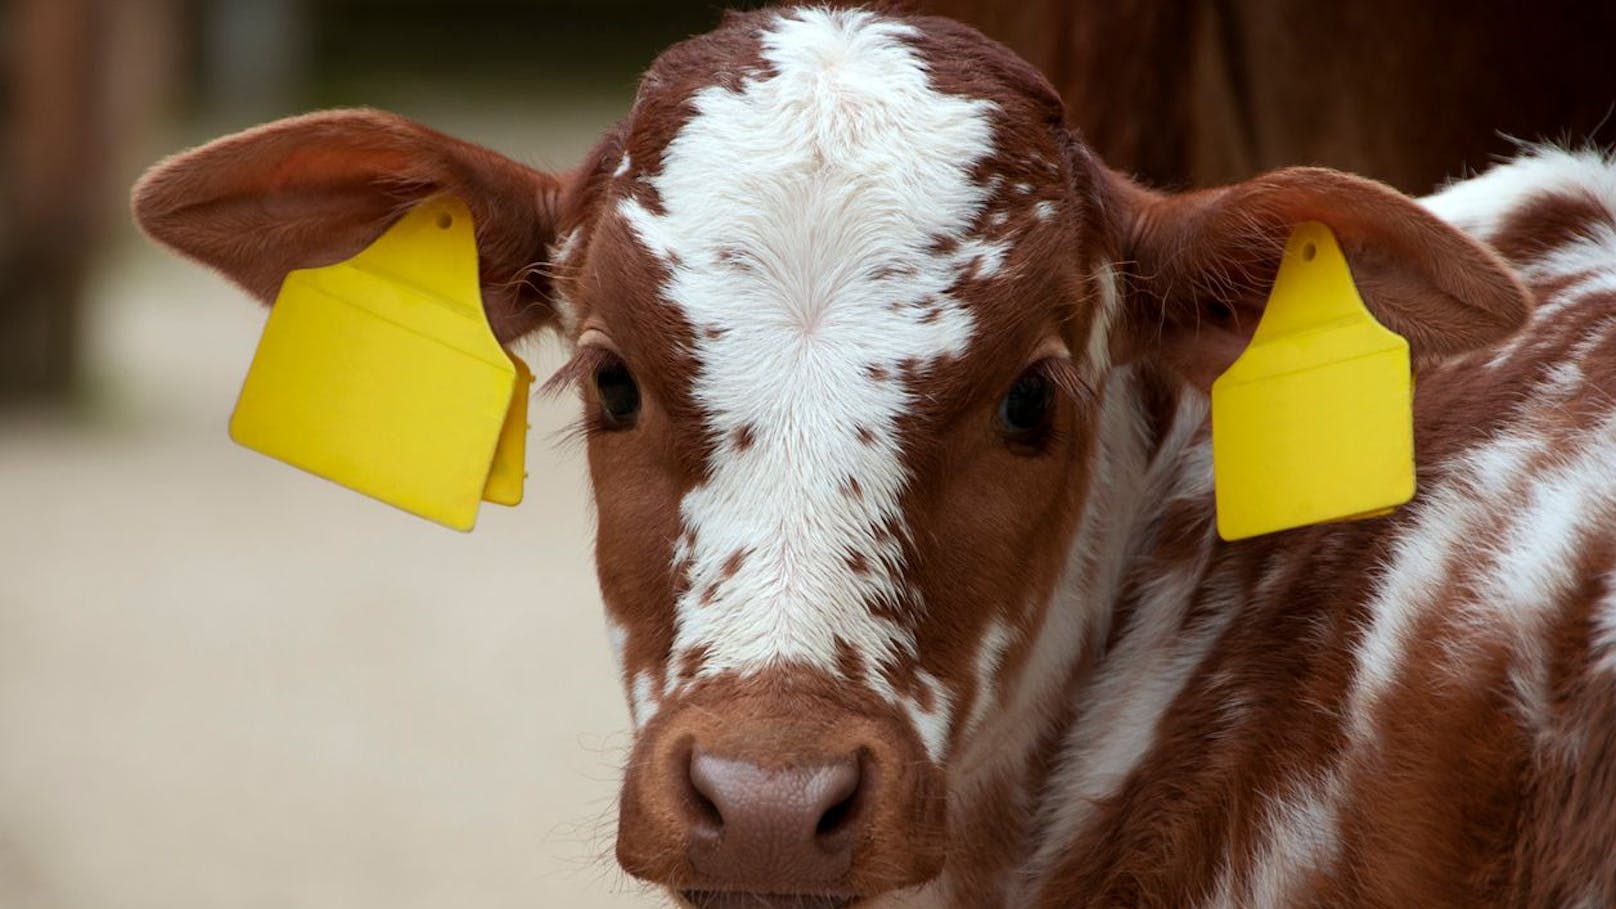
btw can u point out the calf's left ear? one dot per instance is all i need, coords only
(1197, 267)
(314, 190)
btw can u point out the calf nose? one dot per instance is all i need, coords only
(777, 830)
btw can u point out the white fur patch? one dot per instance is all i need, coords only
(561, 253)
(931, 724)
(617, 636)
(1603, 644)
(1078, 613)
(644, 699)
(1421, 567)
(1155, 658)
(1098, 348)
(1300, 837)
(989, 655)
(801, 225)
(1534, 564)
(1480, 205)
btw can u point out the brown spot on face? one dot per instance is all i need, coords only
(712, 332)
(733, 564)
(858, 563)
(852, 489)
(866, 435)
(930, 316)
(642, 191)
(709, 594)
(848, 663)
(691, 662)
(744, 437)
(878, 373)
(925, 698)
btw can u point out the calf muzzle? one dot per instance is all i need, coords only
(780, 797)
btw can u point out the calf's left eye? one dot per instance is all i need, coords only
(1027, 408)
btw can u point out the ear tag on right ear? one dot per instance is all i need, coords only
(382, 374)
(1315, 421)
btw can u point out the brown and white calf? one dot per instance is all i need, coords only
(896, 414)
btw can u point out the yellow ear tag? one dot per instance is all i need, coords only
(1315, 421)
(381, 373)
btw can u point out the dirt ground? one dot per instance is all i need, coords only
(225, 683)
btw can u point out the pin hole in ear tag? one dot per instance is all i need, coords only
(381, 373)
(1315, 421)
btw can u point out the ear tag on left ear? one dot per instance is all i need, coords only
(382, 374)
(1315, 421)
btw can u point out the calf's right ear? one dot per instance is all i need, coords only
(314, 190)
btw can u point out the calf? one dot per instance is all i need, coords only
(895, 400)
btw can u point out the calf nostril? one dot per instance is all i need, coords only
(836, 819)
(702, 794)
(837, 792)
(802, 803)
(784, 829)
(706, 814)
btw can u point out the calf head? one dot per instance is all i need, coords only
(842, 294)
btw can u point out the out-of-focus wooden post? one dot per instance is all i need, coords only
(1185, 93)
(54, 156)
(86, 78)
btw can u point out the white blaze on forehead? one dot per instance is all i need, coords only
(802, 221)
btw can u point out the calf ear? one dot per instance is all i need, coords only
(314, 190)
(1197, 267)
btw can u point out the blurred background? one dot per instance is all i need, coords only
(224, 684)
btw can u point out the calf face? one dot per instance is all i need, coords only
(840, 290)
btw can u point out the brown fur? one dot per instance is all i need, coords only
(1185, 93)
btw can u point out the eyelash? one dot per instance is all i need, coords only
(578, 370)
(572, 376)
(1065, 376)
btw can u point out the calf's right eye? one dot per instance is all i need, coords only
(618, 394)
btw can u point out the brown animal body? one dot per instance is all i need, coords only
(1193, 93)
(896, 415)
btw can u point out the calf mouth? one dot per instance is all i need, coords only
(714, 899)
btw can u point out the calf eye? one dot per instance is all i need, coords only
(618, 395)
(1025, 411)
